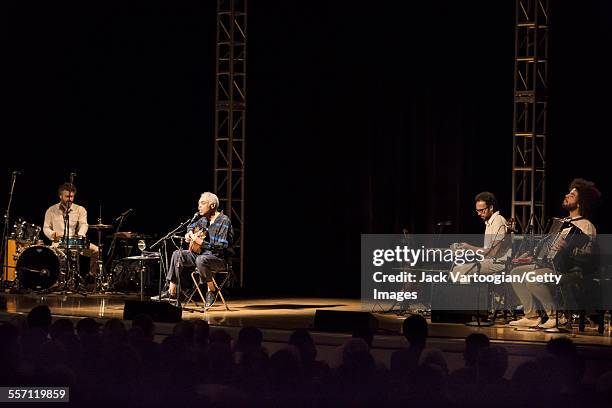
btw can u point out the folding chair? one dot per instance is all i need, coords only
(226, 273)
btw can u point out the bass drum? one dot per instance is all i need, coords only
(39, 267)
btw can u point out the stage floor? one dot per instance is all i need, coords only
(284, 314)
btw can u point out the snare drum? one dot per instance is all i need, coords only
(74, 242)
(38, 267)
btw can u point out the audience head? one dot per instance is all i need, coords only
(40, 318)
(364, 333)
(435, 358)
(87, 327)
(302, 340)
(249, 339)
(186, 330)
(473, 344)
(145, 322)
(60, 328)
(571, 363)
(286, 367)
(415, 330)
(114, 332)
(356, 358)
(491, 364)
(201, 333)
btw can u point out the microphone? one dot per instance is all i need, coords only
(123, 214)
(444, 223)
(17, 172)
(195, 216)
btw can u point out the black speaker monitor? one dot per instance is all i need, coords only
(159, 311)
(340, 321)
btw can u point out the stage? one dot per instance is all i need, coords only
(278, 317)
(282, 314)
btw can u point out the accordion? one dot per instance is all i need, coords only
(548, 254)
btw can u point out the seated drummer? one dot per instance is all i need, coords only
(53, 226)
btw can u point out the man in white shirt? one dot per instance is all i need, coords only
(54, 226)
(485, 205)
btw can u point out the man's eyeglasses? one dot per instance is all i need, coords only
(481, 210)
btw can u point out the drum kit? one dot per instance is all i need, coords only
(56, 268)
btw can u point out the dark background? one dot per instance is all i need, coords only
(362, 118)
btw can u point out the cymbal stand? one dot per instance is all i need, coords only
(102, 278)
(113, 244)
(141, 271)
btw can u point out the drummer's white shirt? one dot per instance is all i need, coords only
(54, 221)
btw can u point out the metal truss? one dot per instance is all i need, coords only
(230, 117)
(530, 114)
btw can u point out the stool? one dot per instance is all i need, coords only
(226, 273)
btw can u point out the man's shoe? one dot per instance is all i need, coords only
(210, 298)
(525, 322)
(552, 322)
(164, 295)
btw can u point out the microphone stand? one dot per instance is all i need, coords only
(162, 241)
(73, 264)
(63, 242)
(5, 232)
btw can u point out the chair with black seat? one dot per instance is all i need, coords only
(592, 293)
(226, 274)
(579, 290)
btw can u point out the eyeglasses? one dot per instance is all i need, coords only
(481, 210)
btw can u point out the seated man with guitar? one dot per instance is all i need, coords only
(570, 248)
(210, 240)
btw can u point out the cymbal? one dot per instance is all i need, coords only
(141, 258)
(100, 226)
(129, 235)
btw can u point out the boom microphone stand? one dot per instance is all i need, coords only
(5, 230)
(72, 258)
(162, 241)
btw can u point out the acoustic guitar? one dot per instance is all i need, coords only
(194, 246)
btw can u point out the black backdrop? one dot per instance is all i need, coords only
(363, 118)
